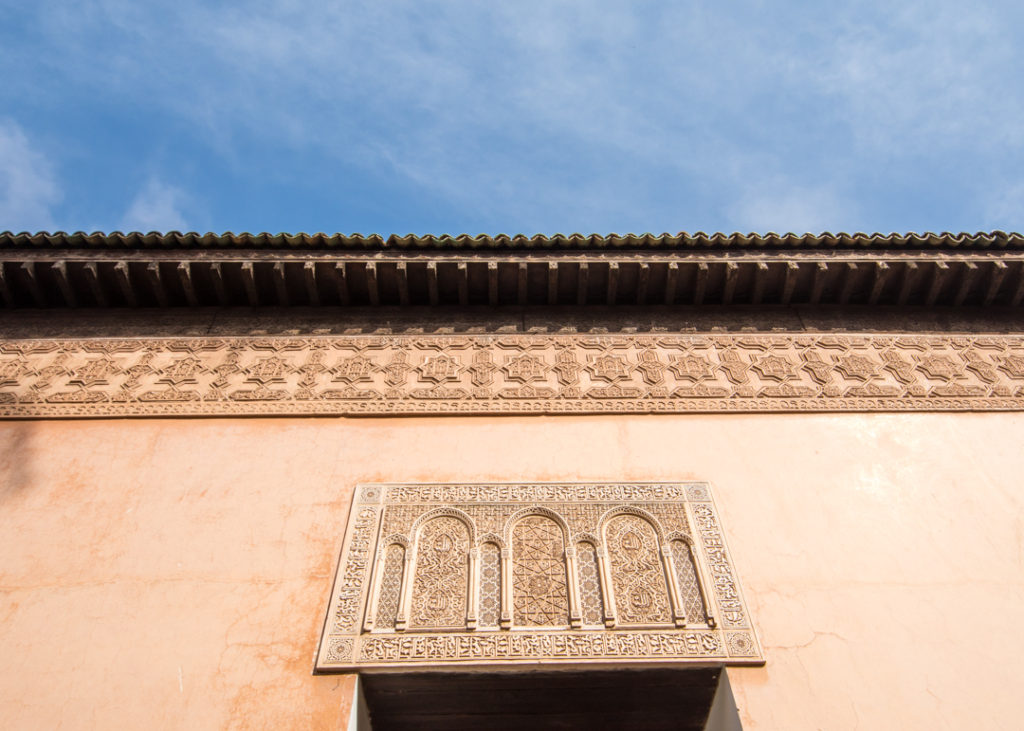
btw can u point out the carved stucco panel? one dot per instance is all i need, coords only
(440, 588)
(638, 575)
(539, 586)
(588, 572)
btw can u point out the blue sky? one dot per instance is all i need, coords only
(521, 117)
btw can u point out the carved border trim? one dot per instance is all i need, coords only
(491, 373)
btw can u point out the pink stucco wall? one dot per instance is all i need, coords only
(171, 574)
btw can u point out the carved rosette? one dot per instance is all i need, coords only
(630, 572)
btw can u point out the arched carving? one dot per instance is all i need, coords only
(489, 615)
(587, 537)
(639, 586)
(659, 532)
(491, 538)
(591, 603)
(390, 591)
(540, 590)
(450, 512)
(441, 580)
(688, 581)
(536, 510)
(399, 539)
(679, 536)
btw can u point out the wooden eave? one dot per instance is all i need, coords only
(196, 270)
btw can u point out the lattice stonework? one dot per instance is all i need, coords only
(539, 586)
(390, 587)
(521, 573)
(689, 588)
(490, 586)
(591, 606)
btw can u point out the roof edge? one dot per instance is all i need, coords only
(176, 240)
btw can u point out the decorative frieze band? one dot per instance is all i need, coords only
(492, 373)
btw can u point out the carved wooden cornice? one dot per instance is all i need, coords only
(521, 373)
(193, 270)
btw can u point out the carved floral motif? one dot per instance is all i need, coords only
(638, 578)
(441, 580)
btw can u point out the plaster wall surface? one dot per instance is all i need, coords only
(173, 573)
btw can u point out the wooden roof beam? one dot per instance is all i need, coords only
(789, 281)
(5, 288)
(402, 281)
(582, 282)
(280, 283)
(28, 268)
(881, 277)
(372, 283)
(432, 295)
(643, 281)
(60, 273)
(999, 270)
(219, 289)
(911, 271)
(613, 282)
(249, 283)
(760, 282)
(939, 270)
(462, 282)
(818, 281)
(552, 282)
(309, 276)
(732, 271)
(92, 276)
(967, 280)
(341, 283)
(492, 283)
(1018, 293)
(184, 270)
(849, 282)
(156, 283)
(121, 274)
(671, 282)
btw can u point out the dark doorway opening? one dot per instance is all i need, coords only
(649, 699)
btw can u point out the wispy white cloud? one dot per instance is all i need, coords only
(1004, 207)
(922, 74)
(782, 206)
(583, 114)
(28, 185)
(157, 207)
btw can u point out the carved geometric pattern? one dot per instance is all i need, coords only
(439, 596)
(539, 590)
(591, 605)
(445, 536)
(390, 587)
(535, 373)
(490, 586)
(689, 586)
(641, 593)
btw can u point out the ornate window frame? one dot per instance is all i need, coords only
(385, 515)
